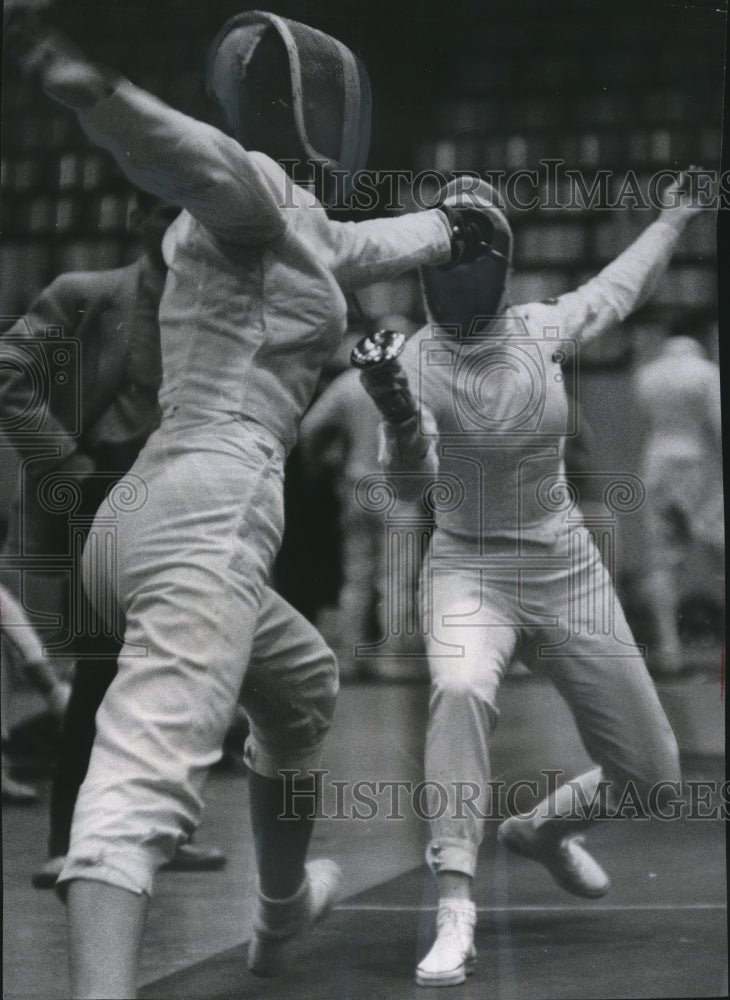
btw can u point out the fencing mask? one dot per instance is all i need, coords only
(457, 294)
(293, 93)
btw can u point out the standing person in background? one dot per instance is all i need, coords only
(678, 396)
(506, 569)
(336, 439)
(92, 424)
(339, 432)
(253, 304)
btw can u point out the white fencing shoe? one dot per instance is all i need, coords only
(567, 860)
(452, 957)
(277, 922)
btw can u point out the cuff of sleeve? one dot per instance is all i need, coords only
(108, 105)
(445, 245)
(402, 448)
(450, 855)
(66, 448)
(99, 92)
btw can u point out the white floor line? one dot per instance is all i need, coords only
(530, 908)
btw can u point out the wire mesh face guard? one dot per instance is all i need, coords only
(281, 83)
(459, 294)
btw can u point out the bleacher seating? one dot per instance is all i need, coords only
(638, 88)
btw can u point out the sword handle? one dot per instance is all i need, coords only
(382, 375)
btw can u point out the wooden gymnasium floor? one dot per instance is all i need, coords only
(661, 931)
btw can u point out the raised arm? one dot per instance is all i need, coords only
(408, 434)
(362, 253)
(230, 191)
(627, 281)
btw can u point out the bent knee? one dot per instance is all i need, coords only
(655, 773)
(465, 699)
(668, 760)
(461, 682)
(327, 688)
(297, 711)
(662, 763)
(310, 711)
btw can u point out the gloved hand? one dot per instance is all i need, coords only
(382, 376)
(78, 464)
(471, 234)
(75, 465)
(683, 199)
(45, 53)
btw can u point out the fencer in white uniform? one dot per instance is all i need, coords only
(510, 565)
